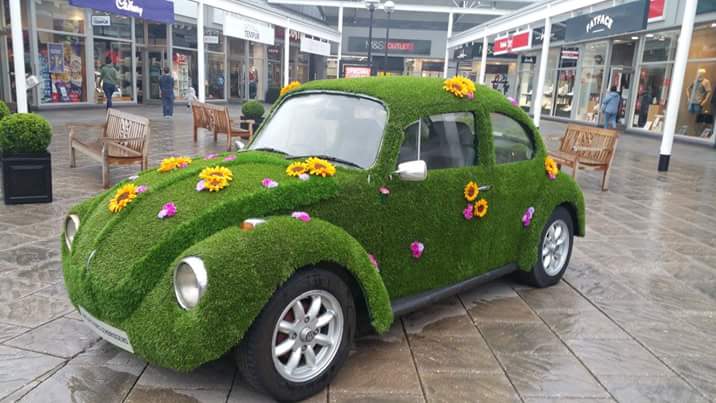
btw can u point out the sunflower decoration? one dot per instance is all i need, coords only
(471, 191)
(124, 195)
(480, 209)
(290, 87)
(460, 86)
(214, 178)
(297, 168)
(550, 166)
(320, 167)
(172, 163)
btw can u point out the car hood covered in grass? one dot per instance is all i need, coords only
(124, 254)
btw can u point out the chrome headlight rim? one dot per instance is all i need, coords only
(194, 266)
(73, 219)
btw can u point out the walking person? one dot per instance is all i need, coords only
(191, 97)
(610, 107)
(110, 77)
(166, 87)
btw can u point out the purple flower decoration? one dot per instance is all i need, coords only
(384, 190)
(512, 101)
(417, 248)
(230, 158)
(468, 213)
(210, 156)
(301, 216)
(133, 178)
(168, 210)
(527, 216)
(269, 183)
(373, 261)
(201, 185)
(551, 176)
(142, 188)
(304, 177)
(470, 95)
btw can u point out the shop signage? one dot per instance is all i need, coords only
(250, 30)
(433, 66)
(706, 6)
(315, 46)
(656, 10)
(621, 19)
(512, 43)
(529, 59)
(153, 10)
(569, 53)
(211, 39)
(395, 46)
(101, 21)
(557, 34)
(356, 71)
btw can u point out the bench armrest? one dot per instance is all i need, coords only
(110, 143)
(580, 148)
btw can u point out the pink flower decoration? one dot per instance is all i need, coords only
(417, 248)
(230, 158)
(183, 165)
(304, 177)
(468, 212)
(373, 261)
(470, 95)
(301, 216)
(168, 210)
(210, 156)
(142, 188)
(512, 101)
(269, 183)
(201, 185)
(527, 217)
(384, 190)
(551, 176)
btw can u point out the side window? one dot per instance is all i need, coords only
(512, 142)
(442, 141)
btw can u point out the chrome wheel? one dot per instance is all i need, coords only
(307, 336)
(555, 248)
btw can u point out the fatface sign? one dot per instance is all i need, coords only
(512, 43)
(315, 46)
(395, 46)
(621, 19)
(153, 10)
(250, 30)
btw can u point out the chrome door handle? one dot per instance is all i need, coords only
(484, 188)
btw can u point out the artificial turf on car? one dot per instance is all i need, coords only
(128, 281)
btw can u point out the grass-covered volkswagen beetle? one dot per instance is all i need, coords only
(358, 200)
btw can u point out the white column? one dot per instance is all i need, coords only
(18, 49)
(677, 83)
(201, 63)
(541, 74)
(447, 49)
(286, 54)
(340, 43)
(483, 64)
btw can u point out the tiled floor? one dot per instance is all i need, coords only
(633, 321)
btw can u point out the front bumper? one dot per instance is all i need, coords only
(108, 332)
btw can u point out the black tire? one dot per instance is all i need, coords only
(254, 356)
(538, 276)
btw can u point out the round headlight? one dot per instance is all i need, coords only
(72, 224)
(190, 281)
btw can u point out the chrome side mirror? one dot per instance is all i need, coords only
(413, 171)
(239, 145)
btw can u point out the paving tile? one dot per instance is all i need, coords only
(446, 317)
(62, 337)
(566, 400)
(33, 310)
(552, 375)
(509, 309)
(698, 371)
(340, 396)
(26, 255)
(590, 324)
(19, 367)
(12, 287)
(10, 331)
(558, 297)
(617, 357)
(651, 390)
(217, 375)
(446, 353)
(521, 338)
(473, 387)
(141, 394)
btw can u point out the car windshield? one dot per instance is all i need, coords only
(346, 129)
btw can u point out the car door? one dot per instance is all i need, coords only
(431, 212)
(520, 176)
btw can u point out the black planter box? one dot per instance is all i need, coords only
(27, 178)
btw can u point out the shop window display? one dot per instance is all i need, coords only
(566, 75)
(185, 72)
(120, 55)
(651, 97)
(590, 81)
(215, 75)
(524, 86)
(697, 105)
(549, 88)
(59, 16)
(119, 26)
(61, 68)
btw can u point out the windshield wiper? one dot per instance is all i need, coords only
(269, 149)
(329, 158)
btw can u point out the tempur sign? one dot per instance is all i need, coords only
(128, 5)
(250, 30)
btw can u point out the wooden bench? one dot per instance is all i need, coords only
(589, 148)
(124, 139)
(216, 119)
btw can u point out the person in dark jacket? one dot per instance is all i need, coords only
(610, 107)
(166, 87)
(110, 78)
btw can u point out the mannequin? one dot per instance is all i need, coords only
(698, 95)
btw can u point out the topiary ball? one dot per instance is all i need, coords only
(253, 109)
(24, 133)
(4, 110)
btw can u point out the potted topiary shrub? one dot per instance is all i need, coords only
(26, 170)
(4, 110)
(253, 110)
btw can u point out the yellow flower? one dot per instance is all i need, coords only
(172, 163)
(215, 183)
(551, 167)
(319, 167)
(296, 168)
(183, 162)
(290, 87)
(469, 85)
(480, 208)
(459, 86)
(217, 171)
(122, 197)
(471, 191)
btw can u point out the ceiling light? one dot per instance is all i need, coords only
(649, 35)
(635, 38)
(713, 25)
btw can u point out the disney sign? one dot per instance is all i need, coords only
(128, 5)
(152, 10)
